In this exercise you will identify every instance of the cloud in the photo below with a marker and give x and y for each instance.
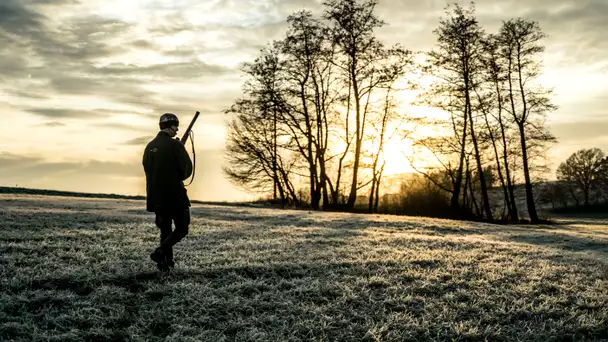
(94, 167)
(39, 60)
(165, 71)
(50, 2)
(578, 131)
(574, 28)
(12, 66)
(171, 24)
(144, 44)
(139, 141)
(17, 24)
(18, 19)
(26, 94)
(10, 160)
(48, 62)
(121, 126)
(55, 61)
(59, 55)
(67, 112)
(53, 124)
(80, 40)
(25, 167)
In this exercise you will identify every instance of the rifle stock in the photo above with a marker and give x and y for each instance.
(187, 132)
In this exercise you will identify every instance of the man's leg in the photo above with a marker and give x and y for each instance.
(181, 218)
(163, 222)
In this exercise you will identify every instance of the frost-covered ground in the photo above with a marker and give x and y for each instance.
(77, 269)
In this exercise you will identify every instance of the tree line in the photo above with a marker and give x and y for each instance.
(582, 181)
(319, 106)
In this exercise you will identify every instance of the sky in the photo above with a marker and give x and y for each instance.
(83, 83)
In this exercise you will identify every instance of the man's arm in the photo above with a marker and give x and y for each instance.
(144, 161)
(184, 161)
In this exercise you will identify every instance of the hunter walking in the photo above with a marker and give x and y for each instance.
(167, 164)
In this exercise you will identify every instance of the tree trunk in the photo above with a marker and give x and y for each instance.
(314, 199)
(465, 203)
(324, 182)
(358, 136)
(371, 193)
(274, 153)
(469, 112)
(482, 178)
(505, 190)
(335, 192)
(289, 187)
(510, 186)
(529, 194)
(473, 200)
(521, 124)
(458, 183)
(378, 189)
(512, 214)
(576, 201)
(281, 191)
(513, 203)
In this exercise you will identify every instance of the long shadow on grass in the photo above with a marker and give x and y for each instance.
(85, 220)
(273, 219)
(221, 276)
(279, 290)
(351, 222)
(270, 231)
(227, 283)
(584, 221)
(529, 234)
(562, 241)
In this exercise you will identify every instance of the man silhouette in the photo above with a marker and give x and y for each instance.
(167, 164)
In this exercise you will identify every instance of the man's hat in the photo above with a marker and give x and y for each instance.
(169, 117)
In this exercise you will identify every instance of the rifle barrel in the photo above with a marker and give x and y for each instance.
(187, 132)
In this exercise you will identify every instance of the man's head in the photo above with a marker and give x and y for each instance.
(169, 124)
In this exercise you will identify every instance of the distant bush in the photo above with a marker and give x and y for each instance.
(566, 197)
(418, 196)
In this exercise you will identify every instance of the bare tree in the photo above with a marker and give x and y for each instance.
(585, 169)
(301, 50)
(259, 146)
(253, 164)
(495, 76)
(519, 40)
(352, 24)
(386, 121)
(457, 63)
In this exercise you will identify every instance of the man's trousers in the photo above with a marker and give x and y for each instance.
(168, 236)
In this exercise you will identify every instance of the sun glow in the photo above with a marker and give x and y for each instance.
(396, 156)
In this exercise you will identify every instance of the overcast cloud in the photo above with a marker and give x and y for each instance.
(93, 63)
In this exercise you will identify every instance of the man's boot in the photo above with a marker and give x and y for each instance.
(160, 258)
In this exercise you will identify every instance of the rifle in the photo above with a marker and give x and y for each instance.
(185, 138)
(187, 132)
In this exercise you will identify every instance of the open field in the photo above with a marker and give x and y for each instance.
(77, 269)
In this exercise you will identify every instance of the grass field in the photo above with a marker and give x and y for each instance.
(78, 269)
